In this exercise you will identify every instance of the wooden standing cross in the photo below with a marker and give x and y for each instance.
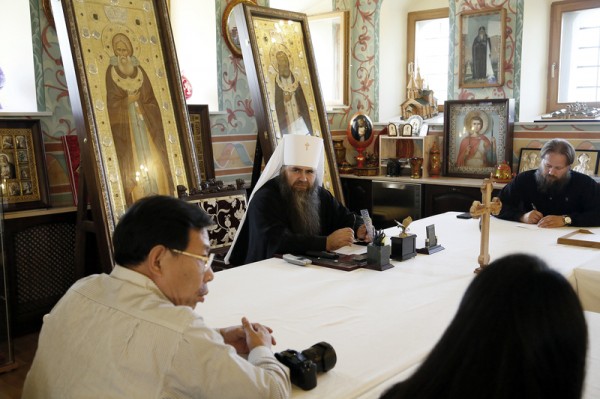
(483, 211)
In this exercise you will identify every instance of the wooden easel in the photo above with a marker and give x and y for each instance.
(483, 211)
(89, 222)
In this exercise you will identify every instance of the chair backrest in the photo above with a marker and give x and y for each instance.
(226, 208)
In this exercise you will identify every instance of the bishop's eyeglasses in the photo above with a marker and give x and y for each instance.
(207, 260)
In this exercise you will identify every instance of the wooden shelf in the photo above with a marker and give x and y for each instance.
(421, 147)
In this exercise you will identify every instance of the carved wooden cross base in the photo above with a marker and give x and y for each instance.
(483, 211)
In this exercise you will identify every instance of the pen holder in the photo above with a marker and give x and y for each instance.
(378, 257)
(404, 248)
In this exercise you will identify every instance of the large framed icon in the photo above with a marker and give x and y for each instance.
(281, 69)
(478, 135)
(127, 99)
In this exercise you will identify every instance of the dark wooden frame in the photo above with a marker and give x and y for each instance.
(524, 153)
(471, 21)
(259, 75)
(151, 17)
(28, 164)
(392, 129)
(200, 125)
(500, 118)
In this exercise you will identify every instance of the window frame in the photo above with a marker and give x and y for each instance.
(412, 19)
(556, 12)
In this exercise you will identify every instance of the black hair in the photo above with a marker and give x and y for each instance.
(155, 220)
(519, 332)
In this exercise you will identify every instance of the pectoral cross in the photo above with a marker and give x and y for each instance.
(483, 211)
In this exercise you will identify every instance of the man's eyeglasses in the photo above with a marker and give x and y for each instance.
(208, 260)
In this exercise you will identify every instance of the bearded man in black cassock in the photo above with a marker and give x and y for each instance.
(290, 212)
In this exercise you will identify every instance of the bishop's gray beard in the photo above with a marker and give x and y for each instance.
(303, 208)
(547, 184)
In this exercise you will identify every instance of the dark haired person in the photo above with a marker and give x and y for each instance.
(552, 195)
(290, 211)
(519, 332)
(135, 334)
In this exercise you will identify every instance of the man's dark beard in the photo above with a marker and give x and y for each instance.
(303, 208)
(549, 185)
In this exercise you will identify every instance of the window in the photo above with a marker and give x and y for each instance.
(194, 28)
(427, 48)
(574, 64)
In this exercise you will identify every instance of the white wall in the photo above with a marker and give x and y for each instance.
(534, 60)
(392, 52)
(194, 29)
(18, 93)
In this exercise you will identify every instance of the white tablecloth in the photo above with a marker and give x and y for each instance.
(381, 324)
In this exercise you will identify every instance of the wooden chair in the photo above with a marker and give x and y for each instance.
(226, 209)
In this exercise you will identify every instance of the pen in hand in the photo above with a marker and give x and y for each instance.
(533, 206)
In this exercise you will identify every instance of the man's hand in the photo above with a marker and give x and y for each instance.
(236, 337)
(363, 234)
(532, 217)
(551, 221)
(257, 335)
(340, 238)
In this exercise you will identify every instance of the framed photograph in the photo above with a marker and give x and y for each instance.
(281, 69)
(415, 122)
(392, 130)
(478, 135)
(529, 159)
(127, 100)
(23, 179)
(482, 38)
(200, 124)
(407, 130)
(586, 162)
(229, 29)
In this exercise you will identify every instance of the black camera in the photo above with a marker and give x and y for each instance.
(304, 366)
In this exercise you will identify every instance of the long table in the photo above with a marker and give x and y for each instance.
(382, 324)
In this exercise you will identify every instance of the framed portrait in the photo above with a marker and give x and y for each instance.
(229, 29)
(200, 125)
(22, 165)
(360, 131)
(586, 162)
(406, 130)
(392, 130)
(529, 159)
(478, 135)
(128, 103)
(415, 122)
(482, 38)
(281, 69)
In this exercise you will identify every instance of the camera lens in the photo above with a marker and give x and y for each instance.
(323, 355)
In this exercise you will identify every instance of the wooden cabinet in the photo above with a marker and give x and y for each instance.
(40, 258)
(436, 195)
(358, 194)
(404, 147)
(441, 198)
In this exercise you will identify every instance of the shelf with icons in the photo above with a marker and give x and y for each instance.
(404, 147)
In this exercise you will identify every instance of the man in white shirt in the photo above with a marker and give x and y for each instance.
(135, 333)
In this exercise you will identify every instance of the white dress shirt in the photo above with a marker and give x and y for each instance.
(118, 336)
